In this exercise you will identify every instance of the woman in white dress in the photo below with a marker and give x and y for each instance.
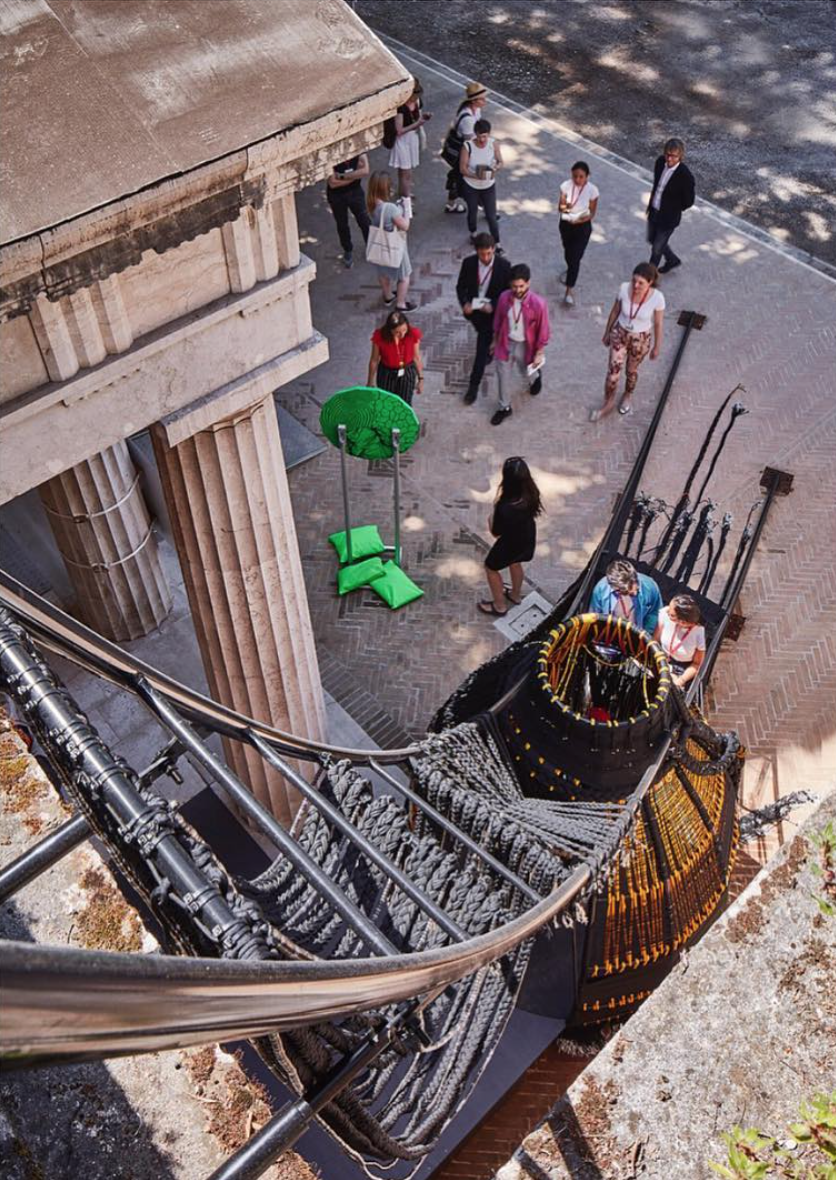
(407, 148)
(635, 317)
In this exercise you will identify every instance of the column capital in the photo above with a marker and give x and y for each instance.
(237, 399)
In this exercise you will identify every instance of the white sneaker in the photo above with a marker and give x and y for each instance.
(569, 300)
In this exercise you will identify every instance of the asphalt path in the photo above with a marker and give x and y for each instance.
(750, 85)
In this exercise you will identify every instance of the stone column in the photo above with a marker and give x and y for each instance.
(232, 520)
(103, 531)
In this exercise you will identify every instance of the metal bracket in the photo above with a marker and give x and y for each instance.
(779, 481)
(692, 319)
(734, 626)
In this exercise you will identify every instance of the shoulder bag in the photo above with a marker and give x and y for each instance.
(385, 247)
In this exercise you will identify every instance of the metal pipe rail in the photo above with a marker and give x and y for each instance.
(67, 637)
(66, 1004)
(265, 822)
(371, 851)
(43, 855)
(63, 1003)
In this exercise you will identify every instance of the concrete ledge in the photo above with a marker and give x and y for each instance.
(741, 1032)
(162, 373)
(239, 396)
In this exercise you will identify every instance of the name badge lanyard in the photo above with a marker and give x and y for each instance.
(635, 312)
(626, 612)
(570, 205)
(677, 641)
(401, 366)
(485, 278)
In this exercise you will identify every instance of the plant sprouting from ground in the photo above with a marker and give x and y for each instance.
(808, 1152)
(825, 868)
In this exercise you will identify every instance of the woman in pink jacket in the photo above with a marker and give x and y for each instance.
(520, 336)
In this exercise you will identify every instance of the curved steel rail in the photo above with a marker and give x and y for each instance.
(67, 637)
(62, 1002)
(68, 1003)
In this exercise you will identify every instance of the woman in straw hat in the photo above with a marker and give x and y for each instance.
(461, 130)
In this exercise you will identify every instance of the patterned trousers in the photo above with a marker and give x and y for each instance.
(629, 347)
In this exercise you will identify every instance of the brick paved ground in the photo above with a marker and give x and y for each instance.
(771, 327)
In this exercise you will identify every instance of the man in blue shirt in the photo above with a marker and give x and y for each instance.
(629, 595)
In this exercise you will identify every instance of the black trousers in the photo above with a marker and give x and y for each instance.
(341, 200)
(455, 184)
(659, 238)
(482, 323)
(486, 197)
(575, 239)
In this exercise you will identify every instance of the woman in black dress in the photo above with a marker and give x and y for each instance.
(513, 523)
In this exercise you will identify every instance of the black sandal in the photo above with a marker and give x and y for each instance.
(488, 608)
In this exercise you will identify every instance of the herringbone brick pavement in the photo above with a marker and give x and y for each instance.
(771, 326)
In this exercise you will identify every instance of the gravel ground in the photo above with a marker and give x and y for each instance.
(750, 85)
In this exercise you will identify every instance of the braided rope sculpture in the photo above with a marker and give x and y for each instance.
(542, 792)
(593, 706)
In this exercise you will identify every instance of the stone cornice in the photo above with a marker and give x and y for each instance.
(105, 241)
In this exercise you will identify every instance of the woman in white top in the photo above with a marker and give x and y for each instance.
(637, 314)
(681, 637)
(578, 205)
(479, 162)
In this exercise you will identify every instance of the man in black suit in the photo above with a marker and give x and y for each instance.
(673, 192)
(482, 279)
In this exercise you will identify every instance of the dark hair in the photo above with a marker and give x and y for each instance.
(621, 575)
(393, 320)
(520, 271)
(685, 608)
(582, 164)
(481, 125)
(646, 270)
(518, 484)
(674, 145)
(483, 241)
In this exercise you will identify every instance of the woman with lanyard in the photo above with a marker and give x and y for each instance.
(637, 313)
(681, 637)
(578, 205)
(396, 364)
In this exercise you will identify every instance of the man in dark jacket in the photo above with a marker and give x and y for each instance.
(673, 192)
(482, 279)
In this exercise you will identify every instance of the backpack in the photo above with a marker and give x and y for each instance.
(390, 133)
(454, 141)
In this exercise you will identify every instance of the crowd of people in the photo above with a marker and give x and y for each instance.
(511, 322)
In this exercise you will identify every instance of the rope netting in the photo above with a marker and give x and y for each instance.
(401, 1105)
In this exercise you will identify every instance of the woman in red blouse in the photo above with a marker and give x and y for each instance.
(396, 364)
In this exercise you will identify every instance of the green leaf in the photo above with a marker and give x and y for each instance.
(721, 1170)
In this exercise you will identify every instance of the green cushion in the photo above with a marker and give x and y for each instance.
(365, 542)
(395, 588)
(352, 577)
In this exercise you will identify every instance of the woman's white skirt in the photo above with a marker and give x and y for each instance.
(406, 152)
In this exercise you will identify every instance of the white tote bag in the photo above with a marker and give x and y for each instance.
(385, 247)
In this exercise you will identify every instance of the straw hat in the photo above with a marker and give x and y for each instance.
(475, 90)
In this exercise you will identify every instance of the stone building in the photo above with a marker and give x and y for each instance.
(151, 277)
